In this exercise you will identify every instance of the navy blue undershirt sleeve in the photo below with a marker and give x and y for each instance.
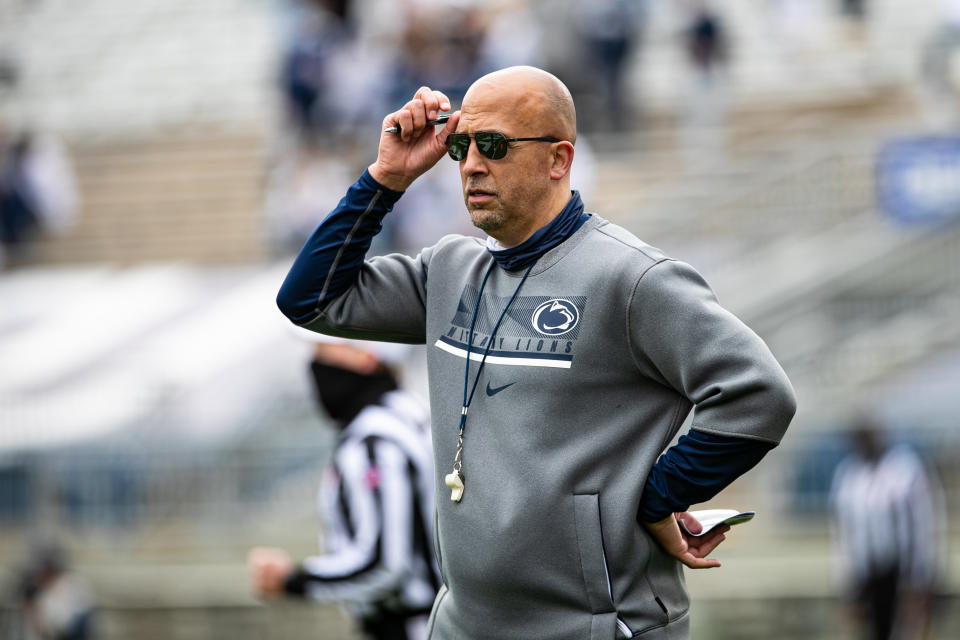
(331, 259)
(696, 469)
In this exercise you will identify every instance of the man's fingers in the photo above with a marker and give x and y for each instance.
(404, 120)
(707, 546)
(710, 535)
(433, 102)
(442, 100)
(426, 104)
(419, 111)
(699, 563)
(429, 101)
(408, 120)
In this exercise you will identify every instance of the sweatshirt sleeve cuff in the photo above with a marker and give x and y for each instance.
(389, 196)
(654, 510)
(696, 469)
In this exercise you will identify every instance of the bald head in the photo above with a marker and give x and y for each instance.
(536, 100)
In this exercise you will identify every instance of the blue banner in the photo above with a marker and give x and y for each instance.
(918, 179)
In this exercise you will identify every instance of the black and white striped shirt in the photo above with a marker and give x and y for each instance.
(377, 498)
(887, 515)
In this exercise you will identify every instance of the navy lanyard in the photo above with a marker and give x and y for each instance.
(455, 479)
(467, 399)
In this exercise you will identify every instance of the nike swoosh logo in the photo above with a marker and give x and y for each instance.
(494, 391)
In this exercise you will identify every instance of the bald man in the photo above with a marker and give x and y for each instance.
(563, 355)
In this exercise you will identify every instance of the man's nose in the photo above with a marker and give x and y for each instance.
(474, 163)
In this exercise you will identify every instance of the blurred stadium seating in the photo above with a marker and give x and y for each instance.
(155, 414)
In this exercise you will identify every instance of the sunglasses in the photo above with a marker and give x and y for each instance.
(490, 144)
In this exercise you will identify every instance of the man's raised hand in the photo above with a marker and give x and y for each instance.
(403, 157)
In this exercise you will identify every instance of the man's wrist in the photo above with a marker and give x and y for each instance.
(659, 524)
(389, 180)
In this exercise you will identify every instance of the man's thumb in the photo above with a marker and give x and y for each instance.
(691, 524)
(449, 127)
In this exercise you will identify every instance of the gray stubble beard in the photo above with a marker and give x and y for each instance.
(487, 220)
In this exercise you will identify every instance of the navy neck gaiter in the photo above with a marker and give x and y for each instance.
(547, 237)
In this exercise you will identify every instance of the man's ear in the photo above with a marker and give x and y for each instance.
(562, 160)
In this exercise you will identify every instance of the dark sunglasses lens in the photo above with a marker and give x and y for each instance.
(491, 144)
(457, 145)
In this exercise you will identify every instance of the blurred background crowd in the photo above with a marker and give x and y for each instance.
(161, 162)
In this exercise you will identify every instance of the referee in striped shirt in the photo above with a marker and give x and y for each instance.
(377, 497)
(887, 531)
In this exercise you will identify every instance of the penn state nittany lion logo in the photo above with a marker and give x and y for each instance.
(536, 331)
(555, 317)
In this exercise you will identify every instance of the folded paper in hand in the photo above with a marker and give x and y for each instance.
(710, 518)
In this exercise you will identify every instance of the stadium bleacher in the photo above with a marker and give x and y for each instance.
(118, 335)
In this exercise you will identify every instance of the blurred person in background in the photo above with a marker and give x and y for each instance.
(19, 218)
(706, 45)
(327, 101)
(56, 603)
(327, 105)
(563, 519)
(377, 498)
(303, 67)
(706, 42)
(609, 32)
(854, 9)
(38, 192)
(888, 515)
(855, 14)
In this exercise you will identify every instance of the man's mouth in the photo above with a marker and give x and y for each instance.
(479, 196)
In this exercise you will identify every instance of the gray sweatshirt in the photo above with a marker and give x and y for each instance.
(599, 359)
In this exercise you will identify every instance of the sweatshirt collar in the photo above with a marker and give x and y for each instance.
(564, 225)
